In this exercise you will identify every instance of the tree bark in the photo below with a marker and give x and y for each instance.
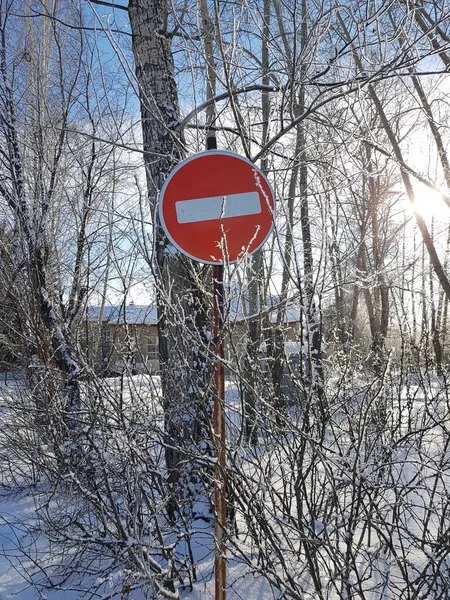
(181, 312)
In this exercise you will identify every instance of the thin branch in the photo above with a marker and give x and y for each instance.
(47, 15)
(229, 93)
(109, 4)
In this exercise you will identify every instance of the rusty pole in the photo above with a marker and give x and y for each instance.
(220, 498)
(220, 565)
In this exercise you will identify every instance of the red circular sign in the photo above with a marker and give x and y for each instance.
(217, 206)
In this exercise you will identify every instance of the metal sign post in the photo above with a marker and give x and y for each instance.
(220, 489)
(220, 492)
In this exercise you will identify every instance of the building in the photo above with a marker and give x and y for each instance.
(126, 336)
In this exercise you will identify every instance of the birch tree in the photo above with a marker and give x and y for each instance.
(180, 288)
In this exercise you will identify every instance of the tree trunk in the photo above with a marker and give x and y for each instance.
(315, 369)
(255, 272)
(181, 313)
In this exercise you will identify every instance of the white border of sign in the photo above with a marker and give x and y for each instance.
(179, 166)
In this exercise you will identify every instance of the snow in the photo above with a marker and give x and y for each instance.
(237, 309)
(21, 547)
(170, 250)
(395, 473)
(132, 314)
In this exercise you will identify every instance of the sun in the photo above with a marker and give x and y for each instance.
(429, 203)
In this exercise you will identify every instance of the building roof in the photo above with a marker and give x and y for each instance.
(132, 314)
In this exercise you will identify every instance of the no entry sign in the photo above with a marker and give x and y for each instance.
(217, 206)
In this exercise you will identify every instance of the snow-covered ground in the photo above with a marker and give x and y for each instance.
(362, 491)
(27, 561)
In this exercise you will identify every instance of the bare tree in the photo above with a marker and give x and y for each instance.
(182, 305)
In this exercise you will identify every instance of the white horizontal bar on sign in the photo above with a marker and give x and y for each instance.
(218, 207)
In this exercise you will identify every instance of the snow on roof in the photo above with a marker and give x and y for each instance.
(132, 314)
